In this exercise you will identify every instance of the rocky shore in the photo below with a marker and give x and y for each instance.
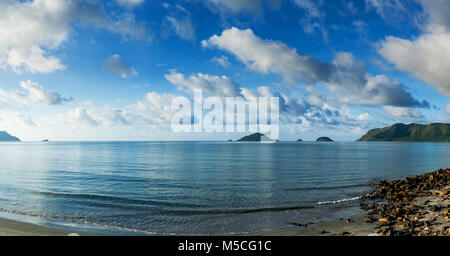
(415, 206)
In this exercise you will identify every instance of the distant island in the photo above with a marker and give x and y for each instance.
(324, 139)
(438, 132)
(256, 137)
(44, 141)
(4, 136)
(299, 140)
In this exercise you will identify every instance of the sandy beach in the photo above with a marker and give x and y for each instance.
(15, 228)
(356, 227)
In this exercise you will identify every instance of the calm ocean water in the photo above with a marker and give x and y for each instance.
(198, 187)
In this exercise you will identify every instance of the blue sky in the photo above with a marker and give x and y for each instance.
(108, 70)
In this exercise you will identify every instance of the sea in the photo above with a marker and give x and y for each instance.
(198, 188)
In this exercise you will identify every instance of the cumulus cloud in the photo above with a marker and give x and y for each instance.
(17, 118)
(310, 112)
(345, 76)
(221, 86)
(106, 116)
(222, 61)
(354, 86)
(405, 114)
(130, 3)
(115, 64)
(155, 109)
(268, 56)
(427, 57)
(36, 94)
(81, 115)
(31, 30)
(436, 12)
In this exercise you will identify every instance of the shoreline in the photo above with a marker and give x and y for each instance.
(10, 227)
(414, 206)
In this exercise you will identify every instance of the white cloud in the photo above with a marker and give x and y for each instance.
(16, 118)
(427, 57)
(311, 7)
(221, 86)
(115, 64)
(26, 28)
(81, 115)
(182, 27)
(311, 112)
(312, 17)
(345, 76)
(155, 109)
(386, 8)
(31, 30)
(130, 3)
(436, 11)
(267, 56)
(105, 116)
(222, 61)
(406, 114)
(36, 94)
(351, 83)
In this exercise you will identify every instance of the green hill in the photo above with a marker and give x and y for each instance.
(437, 132)
(4, 136)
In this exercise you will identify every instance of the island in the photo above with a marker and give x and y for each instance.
(437, 132)
(299, 140)
(256, 137)
(44, 141)
(324, 139)
(4, 136)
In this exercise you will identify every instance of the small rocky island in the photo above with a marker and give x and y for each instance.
(438, 132)
(4, 136)
(299, 140)
(256, 137)
(324, 139)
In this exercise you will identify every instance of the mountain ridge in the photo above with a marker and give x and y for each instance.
(436, 132)
(4, 136)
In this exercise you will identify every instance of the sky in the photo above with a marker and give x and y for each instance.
(108, 70)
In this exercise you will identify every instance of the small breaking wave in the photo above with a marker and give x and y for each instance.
(340, 200)
(78, 220)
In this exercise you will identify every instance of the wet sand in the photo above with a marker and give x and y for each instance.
(356, 227)
(15, 228)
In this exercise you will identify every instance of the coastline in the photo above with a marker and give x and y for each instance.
(414, 206)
